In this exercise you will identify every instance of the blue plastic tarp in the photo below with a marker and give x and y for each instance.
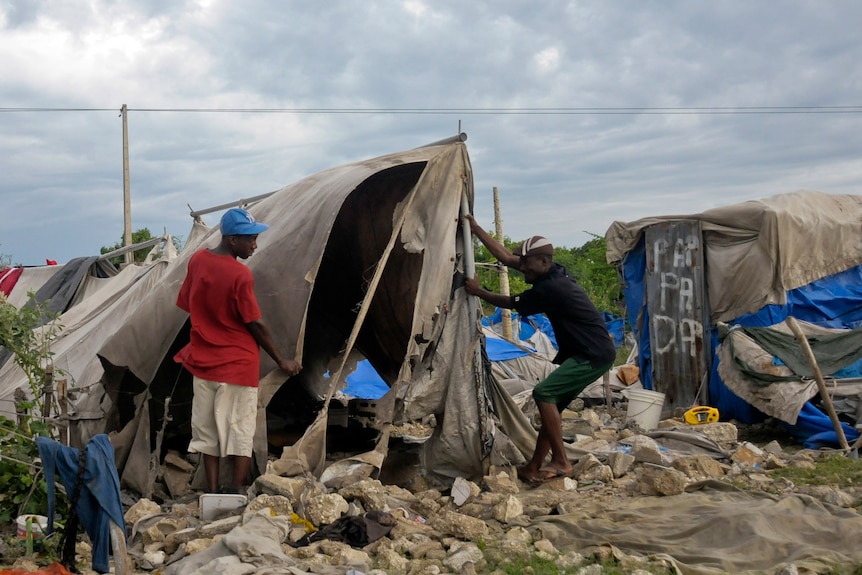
(365, 382)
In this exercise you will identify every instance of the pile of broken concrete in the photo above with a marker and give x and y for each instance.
(297, 525)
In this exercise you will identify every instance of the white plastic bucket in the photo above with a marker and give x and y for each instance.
(38, 525)
(645, 407)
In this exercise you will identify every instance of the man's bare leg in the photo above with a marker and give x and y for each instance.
(530, 472)
(211, 465)
(552, 423)
(241, 469)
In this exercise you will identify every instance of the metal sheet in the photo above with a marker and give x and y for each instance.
(678, 311)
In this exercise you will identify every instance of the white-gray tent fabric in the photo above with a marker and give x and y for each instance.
(98, 307)
(31, 279)
(758, 250)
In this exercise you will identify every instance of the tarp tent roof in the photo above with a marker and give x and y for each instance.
(760, 249)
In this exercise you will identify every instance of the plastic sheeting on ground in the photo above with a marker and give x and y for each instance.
(714, 529)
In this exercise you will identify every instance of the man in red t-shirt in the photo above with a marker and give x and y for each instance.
(223, 354)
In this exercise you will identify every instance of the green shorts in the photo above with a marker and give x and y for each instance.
(567, 381)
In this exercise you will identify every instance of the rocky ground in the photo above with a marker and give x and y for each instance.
(297, 525)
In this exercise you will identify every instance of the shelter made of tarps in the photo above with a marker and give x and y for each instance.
(759, 250)
(796, 254)
(366, 257)
(91, 299)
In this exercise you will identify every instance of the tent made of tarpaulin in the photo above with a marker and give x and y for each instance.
(793, 254)
(92, 299)
(373, 246)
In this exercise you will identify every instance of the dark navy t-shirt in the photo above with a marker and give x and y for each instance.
(579, 327)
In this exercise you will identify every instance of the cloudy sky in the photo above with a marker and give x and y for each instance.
(580, 112)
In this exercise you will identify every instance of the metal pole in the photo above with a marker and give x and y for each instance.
(469, 258)
(503, 270)
(127, 196)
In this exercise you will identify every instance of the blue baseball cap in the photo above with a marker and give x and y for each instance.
(237, 222)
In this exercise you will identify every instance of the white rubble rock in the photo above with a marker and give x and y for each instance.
(508, 509)
(325, 509)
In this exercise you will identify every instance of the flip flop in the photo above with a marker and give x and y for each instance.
(548, 474)
(545, 474)
(525, 479)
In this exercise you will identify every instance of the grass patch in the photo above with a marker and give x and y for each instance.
(535, 565)
(623, 353)
(831, 469)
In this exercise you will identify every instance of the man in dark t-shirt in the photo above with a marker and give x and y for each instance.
(586, 350)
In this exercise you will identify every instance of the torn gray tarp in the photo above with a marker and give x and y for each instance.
(751, 372)
(834, 349)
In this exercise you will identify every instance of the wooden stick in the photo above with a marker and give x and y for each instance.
(63, 404)
(118, 549)
(606, 379)
(818, 376)
(48, 391)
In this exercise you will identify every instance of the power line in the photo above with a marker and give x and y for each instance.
(561, 111)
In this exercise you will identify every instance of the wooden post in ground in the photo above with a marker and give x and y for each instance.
(503, 270)
(606, 380)
(127, 195)
(63, 405)
(118, 550)
(21, 412)
(48, 392)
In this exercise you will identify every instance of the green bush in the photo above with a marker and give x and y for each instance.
(26, 333)
(24, 489)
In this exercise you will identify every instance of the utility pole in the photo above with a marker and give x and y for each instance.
(127, 195)
(503, 270)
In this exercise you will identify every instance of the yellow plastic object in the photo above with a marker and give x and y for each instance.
(701, 414)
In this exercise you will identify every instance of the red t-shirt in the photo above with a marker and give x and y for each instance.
(218, 293)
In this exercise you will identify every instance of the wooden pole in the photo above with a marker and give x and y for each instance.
(21, 412)
(48, 392)
(63, 404)
(503, 270)
(118, 549)
(606, 382)
(127, 195)
(818, 376)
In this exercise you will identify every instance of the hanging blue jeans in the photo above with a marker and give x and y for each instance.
(99, 501)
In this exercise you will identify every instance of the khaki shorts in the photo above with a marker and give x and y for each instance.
(224, 418)
(567, 382)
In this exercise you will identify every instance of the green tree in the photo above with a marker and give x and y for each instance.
(587, 265)
(139, 256)
(600, 280)
(139, 236)
(488, 268)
